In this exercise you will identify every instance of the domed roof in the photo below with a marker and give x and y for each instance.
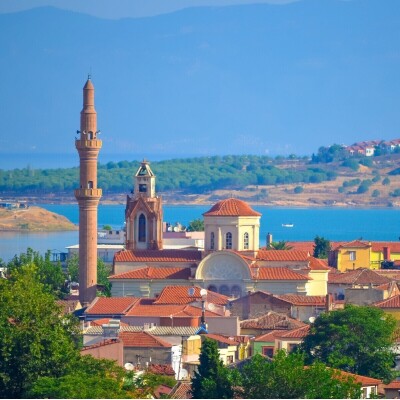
(231, 208)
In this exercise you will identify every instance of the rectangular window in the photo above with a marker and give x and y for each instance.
(268, 351)
(352, 255)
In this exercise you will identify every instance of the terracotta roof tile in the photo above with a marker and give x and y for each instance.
(166, 255)
(180, 295)
(282, 255)
(111, 305)
(277, 274)
(392, 385)
(358, 244)
(315, 264)
(103, 321)
(155, 273)
(166, 310)
(272, 320)
(161, 369)
(142, 339)
(393, 274)
(182, 390)
(222, 339)
(364, 380)
(105, 342)
(296, 333)
(300, 300)
(268, 337)
(392, 302)
(231, 207)
(358, 277)
(393, 246)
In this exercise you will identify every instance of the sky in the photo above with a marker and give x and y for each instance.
(193, 78)
(116, 9)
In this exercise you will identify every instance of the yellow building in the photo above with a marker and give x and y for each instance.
(352, 255)
(363, 254)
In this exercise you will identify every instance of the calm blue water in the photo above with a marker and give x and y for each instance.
(331, 223)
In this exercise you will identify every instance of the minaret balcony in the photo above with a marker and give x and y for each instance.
(88, 193)
(88, 144)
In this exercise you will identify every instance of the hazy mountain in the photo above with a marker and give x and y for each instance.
(259, 79)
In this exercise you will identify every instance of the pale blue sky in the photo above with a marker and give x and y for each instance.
(124, 8)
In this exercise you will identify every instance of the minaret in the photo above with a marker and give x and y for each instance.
(88, 196)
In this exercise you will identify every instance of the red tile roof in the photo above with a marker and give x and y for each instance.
(393, 246)
(222, 339)
(166, 255)
(364, 380)
(102, 321)
(358, 277)
(166, 310)
(268, 337)
(180, 295)
(277, 274)
(271, 320)
(392, 385)
(299, 300)
(155, 273)
(392, 302)
(142, 339)
(315, 264)
(105, 342)
(282, 255)
(161, 369)
(231, 207)
(296, 333)
(111, 305)
(393, 274)
(358, 244)
(182, 390)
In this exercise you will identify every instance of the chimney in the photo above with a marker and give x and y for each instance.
(328, 302)
(269, 238)
(386, 253)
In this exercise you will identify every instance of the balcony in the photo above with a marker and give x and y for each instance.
(88, 193)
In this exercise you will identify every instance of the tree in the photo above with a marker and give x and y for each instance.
(281, 245)
(212, 380)
(356, 339)
(286, 377)
(36, 340)
(322, 247)
(386, 181)
(48, 273)
(298, 189)
(197, 225)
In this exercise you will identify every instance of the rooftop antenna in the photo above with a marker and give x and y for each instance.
(90, 73)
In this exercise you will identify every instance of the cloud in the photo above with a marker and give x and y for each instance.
(117, 9)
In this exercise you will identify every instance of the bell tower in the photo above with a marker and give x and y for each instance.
(143, 213)
(88, 196)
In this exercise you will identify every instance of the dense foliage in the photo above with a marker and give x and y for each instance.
(322, 247)
(212, 380)
(39, 349)
(285, 377)
(356, 339)
(194, 175)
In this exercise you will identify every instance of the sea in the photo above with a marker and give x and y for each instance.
(335, 224)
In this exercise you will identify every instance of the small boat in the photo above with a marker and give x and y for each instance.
(288, 225)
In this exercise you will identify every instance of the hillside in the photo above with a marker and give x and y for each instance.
(33, 219)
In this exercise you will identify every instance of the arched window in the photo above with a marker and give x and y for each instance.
(224, 290)
(228, 240)
(142, 228)
(236, 291)
(245, 241)
(212, 241)
(212, 288)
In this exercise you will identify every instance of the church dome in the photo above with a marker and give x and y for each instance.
(231, 208)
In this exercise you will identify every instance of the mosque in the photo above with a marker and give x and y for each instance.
(231, 263)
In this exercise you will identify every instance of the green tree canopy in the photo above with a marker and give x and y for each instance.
(356, 339)
(36, 340)
(286, 377)
(212, 380)
(281, 245)
(322, 247)
(197, 225)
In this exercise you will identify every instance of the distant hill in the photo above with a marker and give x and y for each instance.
(292, 181)
(33, 219)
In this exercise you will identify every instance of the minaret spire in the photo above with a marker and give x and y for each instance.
(88, 196)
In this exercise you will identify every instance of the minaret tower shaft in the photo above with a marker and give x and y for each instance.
(88, 196)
